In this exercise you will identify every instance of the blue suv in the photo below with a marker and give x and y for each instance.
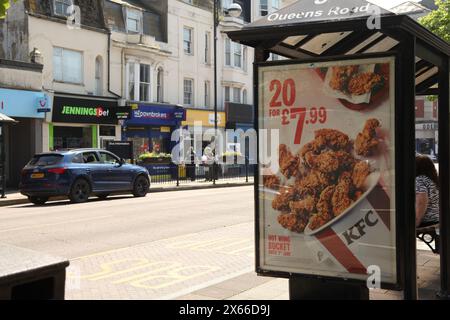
(80, 173)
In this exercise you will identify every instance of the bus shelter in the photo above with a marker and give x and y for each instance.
(338, 214)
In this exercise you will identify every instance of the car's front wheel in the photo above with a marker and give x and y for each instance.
(80, 191)
(38, 200)
(141, 186)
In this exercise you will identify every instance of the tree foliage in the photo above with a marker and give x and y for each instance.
(4, 5)
(438, 21)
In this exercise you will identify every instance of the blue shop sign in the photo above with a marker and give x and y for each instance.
(24, 104)
(156, 115)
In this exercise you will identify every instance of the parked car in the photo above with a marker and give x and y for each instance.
(80, 173)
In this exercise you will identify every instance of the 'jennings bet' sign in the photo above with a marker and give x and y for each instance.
(77, 110)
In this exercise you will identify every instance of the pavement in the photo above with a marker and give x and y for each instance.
(13, 197)
(175, 245)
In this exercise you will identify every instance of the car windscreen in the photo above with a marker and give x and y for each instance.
(45, 160)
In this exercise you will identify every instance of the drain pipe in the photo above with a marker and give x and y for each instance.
(109, 66)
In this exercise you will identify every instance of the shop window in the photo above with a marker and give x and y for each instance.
(67, 65)
(72, 137)
(108, 131)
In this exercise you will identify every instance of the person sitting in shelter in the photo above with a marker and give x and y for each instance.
(427, 192)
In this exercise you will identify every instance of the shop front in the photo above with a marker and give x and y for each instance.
(24, 138)
(204, 119)
(150, 129)
(82, 122)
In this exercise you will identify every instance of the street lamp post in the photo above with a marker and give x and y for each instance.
(234, 10)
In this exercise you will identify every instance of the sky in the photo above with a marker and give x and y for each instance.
(389, 3)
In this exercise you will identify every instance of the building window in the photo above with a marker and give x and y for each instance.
(187, 40)
(237, 55)
(67, 65)
(144, 82)
(244, 96)
(61, 7)
(160, 85)
(207, 94)
(263, 7)
(133, 21)
(131, 81)
(98, 76)
(275, 5)
(227, 94)
(233, 54)
(237, 95)
(188, 92)
(207, 50)
(227, 52)
(244, 58)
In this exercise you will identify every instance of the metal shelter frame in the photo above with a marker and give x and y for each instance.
(422, 68)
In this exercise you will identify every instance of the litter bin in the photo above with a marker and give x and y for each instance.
(29, 275)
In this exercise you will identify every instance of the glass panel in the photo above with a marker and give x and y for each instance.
(236, 95)
(72, 66)
(57, 64)
(227, 52)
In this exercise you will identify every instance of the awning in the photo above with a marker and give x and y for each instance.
(5, 118)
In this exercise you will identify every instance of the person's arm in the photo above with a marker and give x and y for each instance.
(421, 206)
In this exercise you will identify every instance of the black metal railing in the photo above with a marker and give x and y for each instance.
(185, 174)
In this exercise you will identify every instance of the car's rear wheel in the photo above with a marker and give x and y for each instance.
(103, 196)
(141, 186)
(80, 191)
(38, 200)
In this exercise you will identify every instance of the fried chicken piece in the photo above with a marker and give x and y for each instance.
(330, 161)
(333, 139)
(366, 142)
(312, 184)
(363, 83)
(360, 173)
(341, 197)
(326, 162)
(271, 182)
(317, 220)
(324, 209)
(304, 206)
(341, 76)
(293, 222)
(324, 206)
(282, 200)
(357, 194)
(288, 162)
(314, 146)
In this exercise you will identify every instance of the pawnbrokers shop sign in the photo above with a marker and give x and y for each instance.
(79, 110)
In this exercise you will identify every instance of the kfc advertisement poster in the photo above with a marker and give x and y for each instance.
(329, 208)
